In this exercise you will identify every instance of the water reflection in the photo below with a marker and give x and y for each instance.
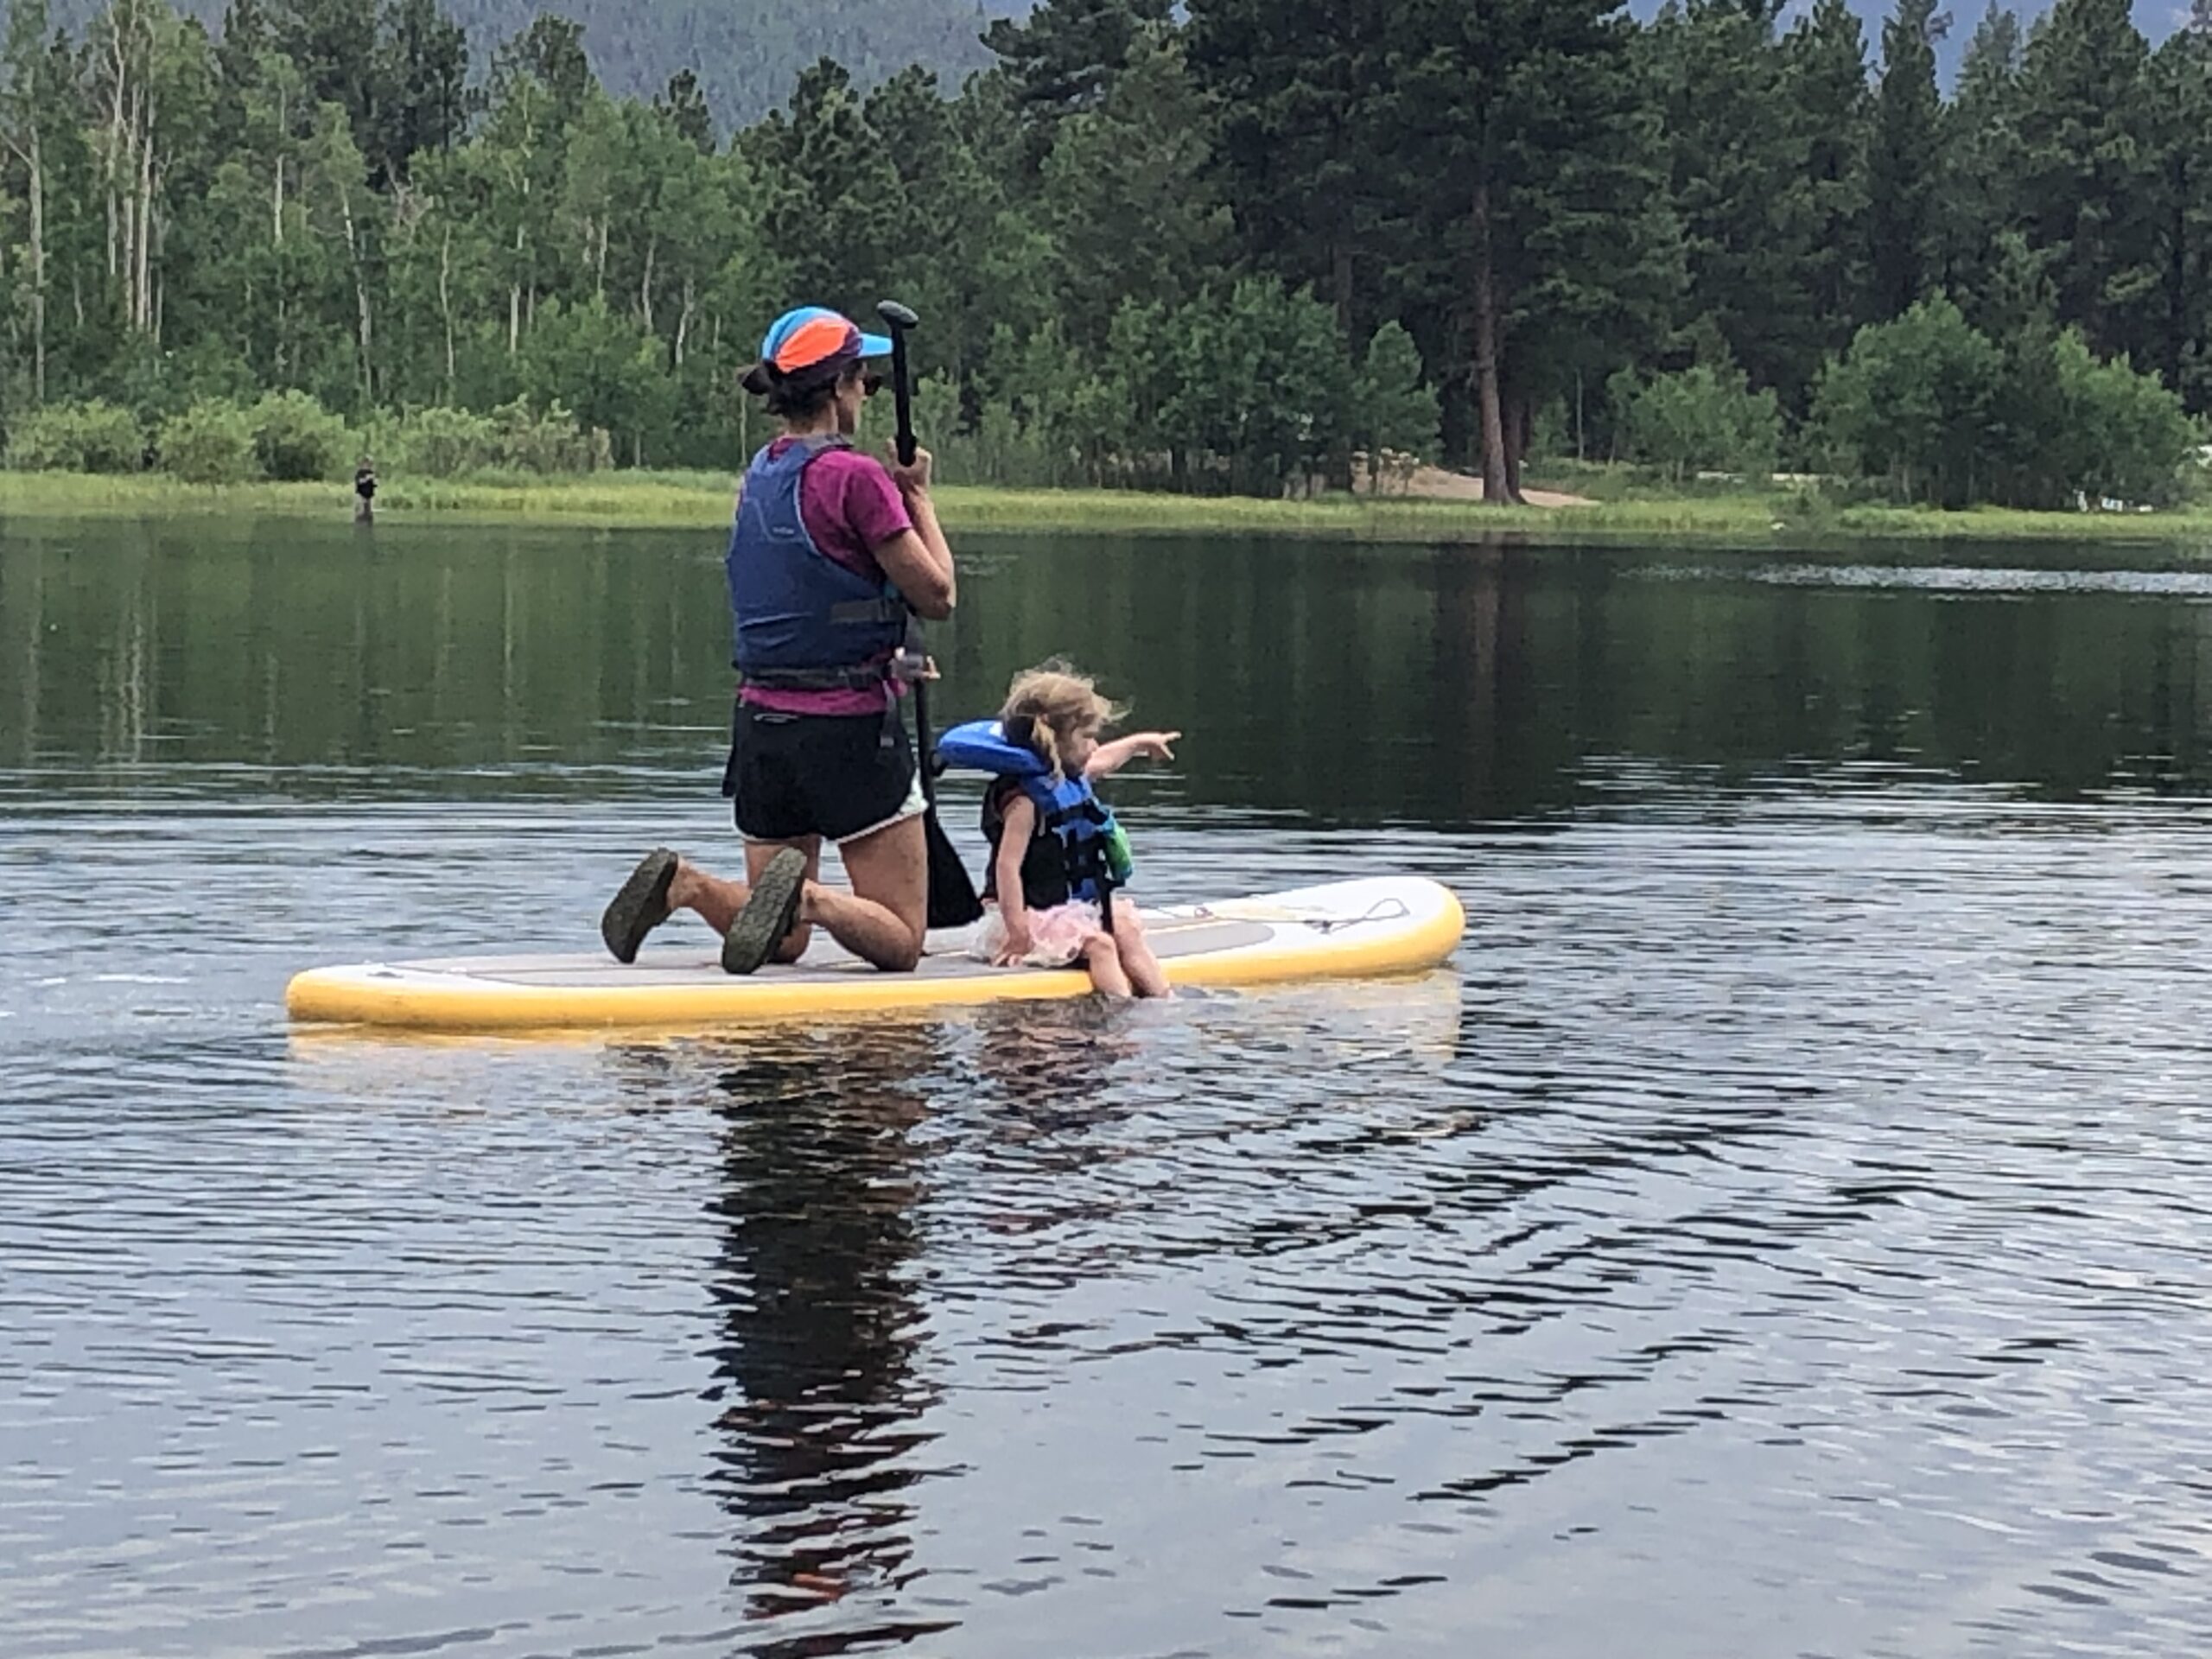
(1367, 686)
(820, 1376)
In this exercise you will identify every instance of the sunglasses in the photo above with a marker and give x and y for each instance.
(871, 383)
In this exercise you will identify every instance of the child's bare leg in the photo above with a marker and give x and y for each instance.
(1145, 974)
(1103, 957)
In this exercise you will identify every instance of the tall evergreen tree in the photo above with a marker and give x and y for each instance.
(1981, 159)
(334, 44)
(1061, 58)
(831, 189)
(2084, 171)
(685, 104)
(424, 100)
(1828, 77)
(1298, 85)
(1500, 100)
(1127, 197)
(1737, 154)
(2179, 82)
(1905, 169)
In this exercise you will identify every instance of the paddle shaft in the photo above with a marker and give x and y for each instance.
(952, 900)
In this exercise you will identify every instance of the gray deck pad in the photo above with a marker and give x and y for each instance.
(824, 962)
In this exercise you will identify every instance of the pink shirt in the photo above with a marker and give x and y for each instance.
(851, 508)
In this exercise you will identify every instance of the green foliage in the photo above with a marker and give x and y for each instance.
(1949, 416)
(87, 437)
(209, 443)
(549, 442)
(1912, 401)
(1701, 418)
(436, 443)
(1906, 165)
(1394, 408)
(1222, 246)
(296, 439)
(2121, 433)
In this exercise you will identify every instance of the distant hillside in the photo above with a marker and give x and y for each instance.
(747, 53)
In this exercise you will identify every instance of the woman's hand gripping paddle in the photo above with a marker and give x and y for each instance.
(952, 894)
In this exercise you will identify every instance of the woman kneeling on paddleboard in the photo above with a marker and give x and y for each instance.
(831, 553)
(1056, 854)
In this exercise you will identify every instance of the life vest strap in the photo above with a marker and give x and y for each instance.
(885, 609)
(862, 677)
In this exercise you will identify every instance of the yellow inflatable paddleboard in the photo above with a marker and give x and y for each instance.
(1385, 924)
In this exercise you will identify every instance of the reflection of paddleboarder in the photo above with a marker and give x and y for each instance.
(365, 492)
(818, 1366)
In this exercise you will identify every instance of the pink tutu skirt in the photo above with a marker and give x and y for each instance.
(1057, 935)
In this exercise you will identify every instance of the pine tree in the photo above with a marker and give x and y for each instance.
(1981, 159)
(685, 104)
(1738, 154)
(2180, 83)
(422, 96)
(1125, 198)
(1521, 108)
(831, 189)
(1061, 59)
(2084, 175)
(1828, 77)
(1297, 83)
(1904, 171)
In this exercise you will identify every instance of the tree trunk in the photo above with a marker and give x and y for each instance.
(514, 299)
(645, 286)
(360, 293)
(1517, 443)
(445, 305)
(118, 101)
(683, 320)
(35, 159)
(145, 283)
(1496, 486)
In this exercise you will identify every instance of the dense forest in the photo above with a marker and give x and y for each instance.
(1231, 244)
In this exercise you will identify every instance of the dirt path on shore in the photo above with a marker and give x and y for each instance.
(1434, 484)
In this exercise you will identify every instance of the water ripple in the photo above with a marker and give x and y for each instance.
(1789, 1227)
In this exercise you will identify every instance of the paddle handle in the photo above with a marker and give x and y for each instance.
(899, 319)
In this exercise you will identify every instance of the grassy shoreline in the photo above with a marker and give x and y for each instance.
(703, 500)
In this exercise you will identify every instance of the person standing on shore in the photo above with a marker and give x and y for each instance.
(832, 554)
(365, 492)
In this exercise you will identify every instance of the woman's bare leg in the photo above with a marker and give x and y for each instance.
(885, 918)
(882, 920)
(716, 900)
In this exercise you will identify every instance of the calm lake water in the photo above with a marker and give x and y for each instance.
(1787, 1231)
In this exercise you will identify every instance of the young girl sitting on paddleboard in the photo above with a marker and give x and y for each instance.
(1056, 850)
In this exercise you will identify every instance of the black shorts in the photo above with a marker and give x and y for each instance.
(792, 776)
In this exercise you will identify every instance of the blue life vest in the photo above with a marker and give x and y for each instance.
(800, 620)
(1078, 851)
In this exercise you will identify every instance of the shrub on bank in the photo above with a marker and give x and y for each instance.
(295, 439)
(436, 443)
(88, 437)
(1700, 419)
(210, 442)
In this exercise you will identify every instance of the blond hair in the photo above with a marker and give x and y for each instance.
(1049, 705)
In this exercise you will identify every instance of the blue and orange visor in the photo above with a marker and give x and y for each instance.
(814, 338)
